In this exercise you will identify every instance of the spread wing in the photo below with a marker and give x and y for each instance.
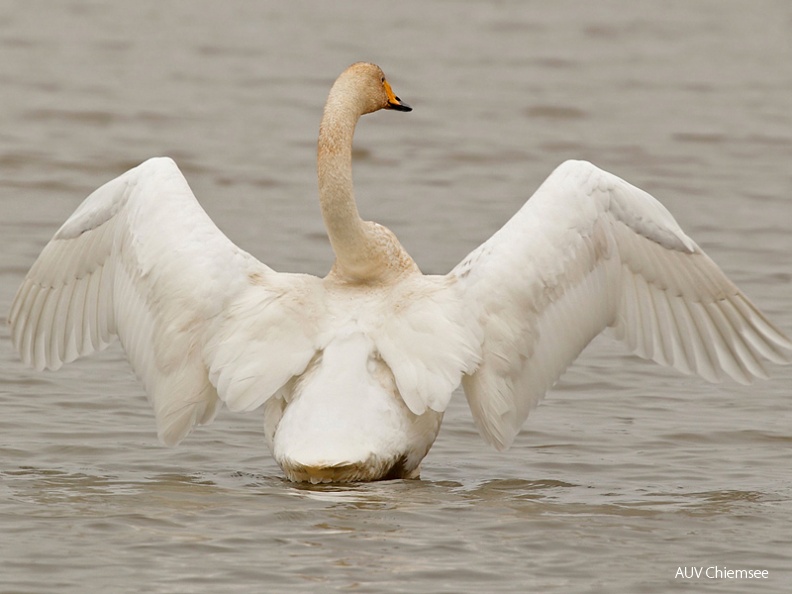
(589, 251)
(141, 260)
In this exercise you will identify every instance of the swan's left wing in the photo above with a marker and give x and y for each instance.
(590, 251)
(200, 319)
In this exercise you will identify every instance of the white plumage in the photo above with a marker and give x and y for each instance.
(356, 369)
(588, 252)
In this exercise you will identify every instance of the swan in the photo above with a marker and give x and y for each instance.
(354, 370)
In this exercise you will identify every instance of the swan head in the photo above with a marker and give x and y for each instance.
(365, 83)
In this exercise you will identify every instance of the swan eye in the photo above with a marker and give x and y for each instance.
(383, 79)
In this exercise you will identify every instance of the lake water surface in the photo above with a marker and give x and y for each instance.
(626, 473)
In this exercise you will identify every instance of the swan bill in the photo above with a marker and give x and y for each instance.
(400, 106)
(394, 102)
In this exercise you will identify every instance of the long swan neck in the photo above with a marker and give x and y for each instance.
(364, 250)
(334, 164)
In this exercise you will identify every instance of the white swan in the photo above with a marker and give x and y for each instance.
(355, 370)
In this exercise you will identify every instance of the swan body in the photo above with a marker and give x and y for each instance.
(354, 370)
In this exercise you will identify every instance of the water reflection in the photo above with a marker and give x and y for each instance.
(195, 492)
(541, 496)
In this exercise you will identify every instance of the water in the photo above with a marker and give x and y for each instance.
(624, 474)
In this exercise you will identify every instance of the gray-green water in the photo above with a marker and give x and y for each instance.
(626, 472)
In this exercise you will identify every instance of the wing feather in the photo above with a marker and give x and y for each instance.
(588, 252)
(140, 259)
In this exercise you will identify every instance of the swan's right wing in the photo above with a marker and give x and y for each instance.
(590, 251)
(142, 260)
